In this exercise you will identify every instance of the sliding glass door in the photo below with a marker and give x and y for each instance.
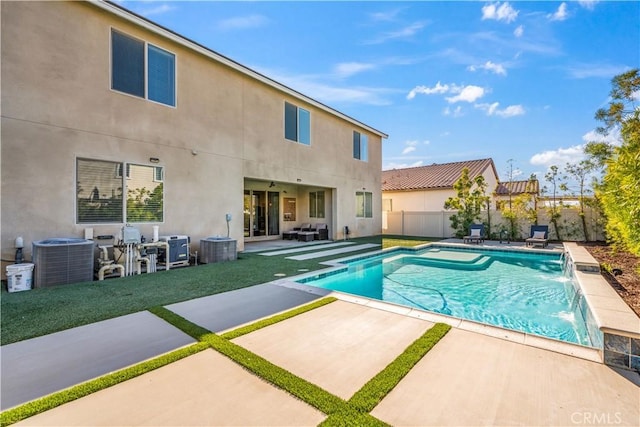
(261, 213)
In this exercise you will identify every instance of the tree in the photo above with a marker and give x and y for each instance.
(556, 180)
(580, 172)
(520, 207)
(619, 191)
(470, 199)
(510, 213)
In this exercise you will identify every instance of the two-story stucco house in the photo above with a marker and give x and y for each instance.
(109, 119)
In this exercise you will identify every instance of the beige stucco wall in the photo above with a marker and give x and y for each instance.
(432, 199)
(57, 106)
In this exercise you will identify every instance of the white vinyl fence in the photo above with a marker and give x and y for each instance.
(438, 224)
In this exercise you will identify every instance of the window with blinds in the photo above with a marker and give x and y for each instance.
(297, 124)
(360, 146)
(316, 204)
(151, 75)
(104, 195)
(364, 204)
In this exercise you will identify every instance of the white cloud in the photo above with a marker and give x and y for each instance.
(588, 4)
(490, 66)
(613, 137)
(395, 165)
(242, 22)
(558, 157)
(412, 145)
(490, 109)
(403, 33)
(518, 32)
(559, 15)
(583, 71)
(385, 16)
(499, 12)
(511, 111)
(468, 93)
(437, 89)
(493, 110)
(456, 112)
(347, 69)
(321, 87)
(156, 10)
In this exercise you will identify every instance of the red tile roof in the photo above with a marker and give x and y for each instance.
(435, 176)
(517, 187)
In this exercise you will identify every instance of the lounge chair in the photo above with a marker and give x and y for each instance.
(475, 234)
(539, 236)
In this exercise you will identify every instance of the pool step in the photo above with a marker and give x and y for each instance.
(480, 262)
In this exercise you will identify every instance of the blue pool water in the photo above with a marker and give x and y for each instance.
(520, 291)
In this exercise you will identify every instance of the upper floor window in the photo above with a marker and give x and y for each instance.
(364, 204)
(142, 69)
(297, 124)
(360, 150)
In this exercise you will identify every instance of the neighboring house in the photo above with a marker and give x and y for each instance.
(426, 188)
(511, 190)
(108, 119)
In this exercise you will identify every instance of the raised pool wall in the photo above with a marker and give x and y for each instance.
(618, 324)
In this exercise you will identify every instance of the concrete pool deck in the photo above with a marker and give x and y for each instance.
(473, 376)
(466, 379)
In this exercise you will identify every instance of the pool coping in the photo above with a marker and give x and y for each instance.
(618, 323)
(338, 265)
(575, 350)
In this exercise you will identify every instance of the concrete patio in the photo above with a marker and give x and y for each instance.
(466, 379)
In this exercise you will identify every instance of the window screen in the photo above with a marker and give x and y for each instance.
(290, 121)
(359, 146)
(99, 191)
(101, 188)
(127, 64)
(304, 127)
(364, 204)
(297, 124)
(161, 70)
(316, 204)
(153, 77)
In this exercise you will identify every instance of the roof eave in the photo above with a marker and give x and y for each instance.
(190, 44)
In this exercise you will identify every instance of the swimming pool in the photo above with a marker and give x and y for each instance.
(516, 290)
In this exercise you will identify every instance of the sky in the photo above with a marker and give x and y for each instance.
(448, 81)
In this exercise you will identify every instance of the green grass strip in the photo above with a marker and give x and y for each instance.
(365, 399)
(51, 401)
(277, 318)
(355, 412)
(180, 322)
(281, 378)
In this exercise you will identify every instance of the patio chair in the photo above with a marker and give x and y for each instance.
(539, 236)
(321, 231)
(476, 232)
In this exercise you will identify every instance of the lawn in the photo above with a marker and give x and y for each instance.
(47, 310)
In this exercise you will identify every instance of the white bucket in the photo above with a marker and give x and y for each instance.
(19, 277)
